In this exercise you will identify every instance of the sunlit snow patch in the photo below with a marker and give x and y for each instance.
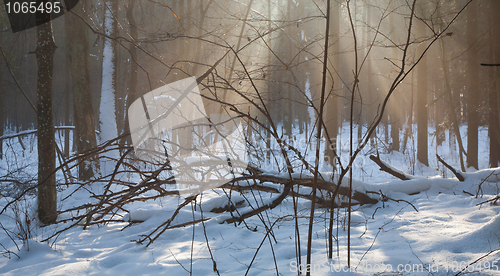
(169, 126)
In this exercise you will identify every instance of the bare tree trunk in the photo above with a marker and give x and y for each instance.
(473, 89)
(67, 106)
(269, 86)
(439, 116)
(409, 122)
(107, 115)
(45, 50)
(454, 119)
(494, 97)
(2, 99)
(77, 47)
(132, 93)
(421, 103)
(318, 135)
(395, 130)
(332, 103)
(2, 110)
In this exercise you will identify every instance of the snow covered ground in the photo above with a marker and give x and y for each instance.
(448, 233)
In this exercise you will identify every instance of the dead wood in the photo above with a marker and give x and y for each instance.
(455, 172)
(385, 168)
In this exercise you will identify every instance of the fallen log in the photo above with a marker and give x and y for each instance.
(307, 181)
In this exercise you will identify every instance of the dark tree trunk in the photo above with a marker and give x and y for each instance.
(47, 196)
(472, 91)
(494, 120)
(395, 126)
(421, 109)
(3, 92)
(67, 104)
(132, 93)
(2, 116)
(78, 54)
(494, 130)
(439, 114)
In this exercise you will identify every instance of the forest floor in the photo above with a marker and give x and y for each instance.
(446, 236)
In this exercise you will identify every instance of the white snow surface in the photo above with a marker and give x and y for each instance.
(450, 230)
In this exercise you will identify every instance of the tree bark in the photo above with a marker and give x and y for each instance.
(332, 103)
(494, 120)
(421, 103)
(45, 50)
(386, 168)
(455, 172)
(439, 114)
(77, 47)
(132, 93)
(2, 98)
(107, 114)
(472, 91)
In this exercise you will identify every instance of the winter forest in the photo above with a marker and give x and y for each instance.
(252, 137)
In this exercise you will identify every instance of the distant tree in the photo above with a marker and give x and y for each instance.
(421, 103)
(107, 115)
(77, 47)
(45, 50)
(332, 103)
(472, 87)
(133, 77)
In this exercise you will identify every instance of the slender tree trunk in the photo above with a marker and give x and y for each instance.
(318, 135)
(77, 47)
(107, 106)
(473, 89)
(2, 96)
(409, 121)
(421, 103)
(45, 50)
(269, 85)
(332, 104)
(394, 131)
(397, 113)
(439, 116)
(67, 108)
(132, 93)
(454, 118)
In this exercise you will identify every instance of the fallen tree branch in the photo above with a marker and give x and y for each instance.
(455, 172)
(385, 167)
(386, 198)
(166, 224)
(308, 182)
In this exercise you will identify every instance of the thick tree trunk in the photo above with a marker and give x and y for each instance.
(494, 97)
(77, 43)
(47, 196)
(493, 129)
